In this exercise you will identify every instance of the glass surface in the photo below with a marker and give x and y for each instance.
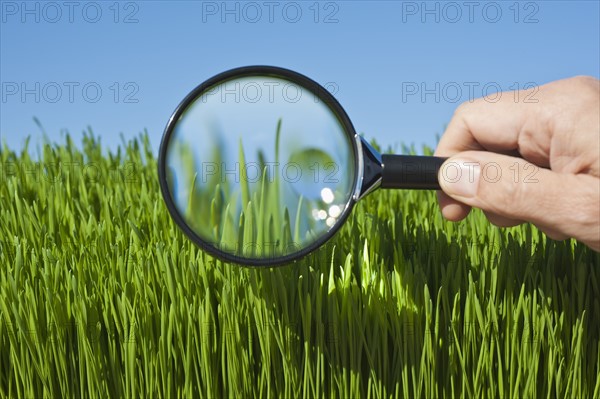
(259, 167)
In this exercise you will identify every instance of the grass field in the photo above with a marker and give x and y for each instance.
(101, 295)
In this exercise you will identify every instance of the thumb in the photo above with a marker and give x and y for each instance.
(516, 189)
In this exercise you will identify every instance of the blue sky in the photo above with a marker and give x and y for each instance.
(399, 68)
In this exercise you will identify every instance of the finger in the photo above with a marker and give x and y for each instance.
(483, 125)
(512, 188)
(553, 233)
(501, 221)
(502, 125)
(452, 209)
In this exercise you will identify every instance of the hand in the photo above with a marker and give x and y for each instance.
(536, 161)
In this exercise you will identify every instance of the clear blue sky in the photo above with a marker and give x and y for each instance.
(377, 56)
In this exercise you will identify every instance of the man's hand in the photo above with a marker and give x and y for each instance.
(535, 162)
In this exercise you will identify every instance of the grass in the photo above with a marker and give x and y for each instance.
(101, 295)
(265, 216)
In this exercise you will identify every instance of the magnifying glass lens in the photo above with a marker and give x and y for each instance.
(258, 169)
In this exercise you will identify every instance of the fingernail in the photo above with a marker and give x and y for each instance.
(460, 177)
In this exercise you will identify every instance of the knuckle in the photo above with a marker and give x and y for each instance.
(578, 86)
(585, 81)
(465, 108)
(586, 88)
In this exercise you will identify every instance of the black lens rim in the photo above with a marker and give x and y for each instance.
(248, 71)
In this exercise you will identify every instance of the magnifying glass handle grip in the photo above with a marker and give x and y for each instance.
(410, 171)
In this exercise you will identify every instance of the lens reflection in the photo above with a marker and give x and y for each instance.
(259, 167)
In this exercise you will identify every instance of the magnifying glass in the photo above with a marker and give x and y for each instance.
(261, 165)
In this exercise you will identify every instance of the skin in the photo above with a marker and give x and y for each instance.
(529, 156)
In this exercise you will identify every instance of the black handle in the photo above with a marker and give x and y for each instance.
(411, 171)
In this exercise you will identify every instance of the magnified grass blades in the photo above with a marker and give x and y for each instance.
(263, 230)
